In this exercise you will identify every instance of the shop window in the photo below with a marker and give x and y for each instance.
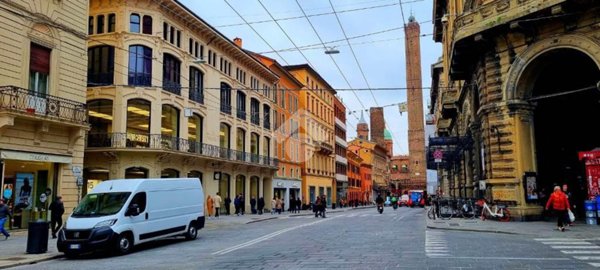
(136, 172)
(267, 147)
(138, 123)
(100, 113)
(169, 128)
(195, 133)
(224, 140)
(140, 65)
(101, 64)
(134, 23)
(241, 140)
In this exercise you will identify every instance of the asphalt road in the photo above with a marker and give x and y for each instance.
(358, 239)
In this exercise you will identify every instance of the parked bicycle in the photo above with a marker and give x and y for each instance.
(499, 211)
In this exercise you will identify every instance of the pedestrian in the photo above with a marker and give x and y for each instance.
(565, 190)
(282, 205)
(323, 205)
(242, 204)
(57, 210)
(253, 205)
(227, 205)
(316, 206)
(559, 202)
(278, 206)
(4, 215)
(236, 204)
(209, 206)
(261, 205)
(292, 207)
(298, 204)
(217, 201)
(273, 204)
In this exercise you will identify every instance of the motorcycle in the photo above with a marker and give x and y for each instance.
(380, 208)
(395, 205)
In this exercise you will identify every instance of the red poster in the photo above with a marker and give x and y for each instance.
(592, 172)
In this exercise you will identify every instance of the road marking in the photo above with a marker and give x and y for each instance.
(594, 264)
(558, 239)
(580, 251)
(266, 237)
(587, 258)
(508, 258)
(567, 243)
(435, 244)
(576, 247)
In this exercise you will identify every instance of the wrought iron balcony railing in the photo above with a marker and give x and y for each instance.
(241, 114)
(173, 87)
(196, 96)
(26, 102)
(226, 108)
(165, 142)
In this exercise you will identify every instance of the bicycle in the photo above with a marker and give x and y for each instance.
(431, 212)
(499, 211)
(467, 210)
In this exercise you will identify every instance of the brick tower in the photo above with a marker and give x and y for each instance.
(377, 126)
(362, 129)
(416, 128)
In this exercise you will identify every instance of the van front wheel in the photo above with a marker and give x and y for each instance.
(124, 244)
(192, 232)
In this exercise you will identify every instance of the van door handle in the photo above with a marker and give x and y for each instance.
(146, 215)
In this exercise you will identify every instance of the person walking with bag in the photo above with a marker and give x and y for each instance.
(57, 208)
(4, 215)
(560, 204)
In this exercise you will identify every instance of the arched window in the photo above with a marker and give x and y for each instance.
(101, 65)
(254, 149)
(134, 23)
(254, 187)
(196, 85)
(241, 105)
(138, 123)
(100, 112)
(241, 144)
(196, 174)
(140, 65)
(169, 173)
(225, 98)
(224, 140)
(224, 184)
(195, 133)
(171, 74)
(147, 25)
(169, 127)
(240, 186)
(267, 147)
(254, 111)
(136, 172)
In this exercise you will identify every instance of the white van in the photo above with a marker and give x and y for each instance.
(119, 214)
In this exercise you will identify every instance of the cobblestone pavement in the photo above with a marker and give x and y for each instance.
(361, 239)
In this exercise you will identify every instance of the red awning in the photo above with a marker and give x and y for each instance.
(594, 154)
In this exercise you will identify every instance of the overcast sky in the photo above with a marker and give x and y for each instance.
(381, 56)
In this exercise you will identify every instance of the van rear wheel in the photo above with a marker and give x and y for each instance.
(192, 232)
(124, 244)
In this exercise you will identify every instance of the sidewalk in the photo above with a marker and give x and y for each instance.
(533, 228)
(13, 251)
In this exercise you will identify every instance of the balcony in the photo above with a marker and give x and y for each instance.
(326, 148)
(173, 87)
(241, 114)
(196, 96)
(226, 108)
(159, 142)
(23, 103)
(449, 108)
(140, 79)
(485, 18)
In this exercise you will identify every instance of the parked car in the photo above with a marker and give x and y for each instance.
(404, 199)
(119, 214)
(416, 198)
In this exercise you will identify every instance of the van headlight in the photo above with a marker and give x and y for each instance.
(106, 223)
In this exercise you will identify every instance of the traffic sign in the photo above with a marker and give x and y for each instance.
(438, 155)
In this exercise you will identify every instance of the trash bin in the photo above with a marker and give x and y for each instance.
(37, 237)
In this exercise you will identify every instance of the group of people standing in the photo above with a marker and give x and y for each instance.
(278, 205)
(320, 206)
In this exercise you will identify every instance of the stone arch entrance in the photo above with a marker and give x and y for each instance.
(559, 120)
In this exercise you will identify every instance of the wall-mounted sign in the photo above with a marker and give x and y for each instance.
(504, 194)
(217, 176)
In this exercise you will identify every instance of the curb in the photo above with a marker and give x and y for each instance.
(260, 220)
(33, 261)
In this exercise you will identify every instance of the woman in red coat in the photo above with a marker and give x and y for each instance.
(560, 204)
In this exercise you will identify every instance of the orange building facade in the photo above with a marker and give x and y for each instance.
(354, 191)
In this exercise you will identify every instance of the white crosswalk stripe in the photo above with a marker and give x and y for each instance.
(435, 244)
(578, 248)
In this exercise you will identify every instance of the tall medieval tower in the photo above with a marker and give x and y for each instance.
(416, 128)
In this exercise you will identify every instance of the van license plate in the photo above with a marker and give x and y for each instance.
(74, 246)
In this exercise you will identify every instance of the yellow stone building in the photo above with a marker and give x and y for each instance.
(515, 98)
(43, 116)
(375, 155)
(317, 134)
(170, 96)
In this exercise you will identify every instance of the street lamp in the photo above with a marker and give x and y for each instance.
(332, 50)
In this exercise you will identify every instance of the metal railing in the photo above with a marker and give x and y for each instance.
(241, 114)
(196, 96)
(226, 108)
(173, 87)
(165, 142)
(16, 99)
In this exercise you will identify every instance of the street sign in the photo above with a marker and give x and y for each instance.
(79, 181)
(76, 171)
(482, 185)
(438, 155)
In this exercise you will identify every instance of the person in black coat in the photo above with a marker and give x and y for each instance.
(253, 205)
(57, 209)
(227, 203)
(261, 205)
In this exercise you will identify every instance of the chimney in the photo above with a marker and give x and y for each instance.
(238, 42)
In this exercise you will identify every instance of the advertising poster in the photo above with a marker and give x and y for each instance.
(531, 188)
(23, 190)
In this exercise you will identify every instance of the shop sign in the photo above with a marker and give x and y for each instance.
(504, 194)
(76, 171)
(35, 157)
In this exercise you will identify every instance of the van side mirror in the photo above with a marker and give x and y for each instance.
(133, 210)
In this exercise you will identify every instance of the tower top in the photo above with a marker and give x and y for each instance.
(362, 118)
(412, 18)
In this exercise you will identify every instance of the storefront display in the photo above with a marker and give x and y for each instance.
(592, 171)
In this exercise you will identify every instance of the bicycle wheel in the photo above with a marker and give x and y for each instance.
(467, 212)
(431, 213)
(505, 215)
(446, 212)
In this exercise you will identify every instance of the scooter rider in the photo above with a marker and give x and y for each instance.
(395, 201)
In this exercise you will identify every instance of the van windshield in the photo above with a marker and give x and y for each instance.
(101, 204)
